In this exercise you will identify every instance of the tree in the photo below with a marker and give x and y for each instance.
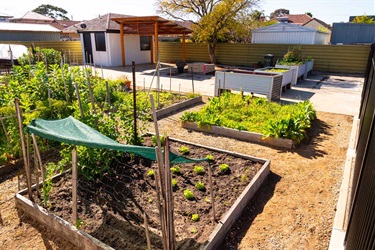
(363, 19)
(279, 12)
(52, 11)
(309, 14)
(213, 18)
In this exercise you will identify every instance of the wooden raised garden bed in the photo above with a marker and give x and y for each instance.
(112, 206)
(249, 81)
(240, 135)
(178, 106)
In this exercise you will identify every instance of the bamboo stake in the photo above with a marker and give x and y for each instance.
(36, 173)
(28, 153)
(27, 169)
(212, 193)
(159, 205)
(134, 105)
(90, 91)
(63, 79)
(74, 185)
(79, 100)
(147, 232)
(36, 148)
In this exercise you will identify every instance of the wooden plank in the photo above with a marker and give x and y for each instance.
(178, 106)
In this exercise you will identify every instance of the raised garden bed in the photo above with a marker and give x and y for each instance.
(288, 75)
(300, 70)
(111, 207)
(177, 106)
(249, 81)
(240, 135)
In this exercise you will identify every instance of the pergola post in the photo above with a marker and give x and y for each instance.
(183, 48)
(122, 42)
(156, 37)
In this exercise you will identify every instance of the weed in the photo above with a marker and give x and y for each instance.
(79, 223)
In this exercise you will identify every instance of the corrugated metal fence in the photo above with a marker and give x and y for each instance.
(330, 58)
(361, 231)
(71, 49)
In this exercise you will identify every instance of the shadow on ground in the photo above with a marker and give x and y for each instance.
(254, 208)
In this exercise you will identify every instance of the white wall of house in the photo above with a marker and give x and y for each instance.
(316, 25)
(112, 55)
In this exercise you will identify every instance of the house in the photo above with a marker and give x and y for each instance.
(4, 17)
(288, 33)
(28, 32)
(117, 39)
(299, 19)
(353, 33)
(318, 24)
(62, 25)
(32, 17)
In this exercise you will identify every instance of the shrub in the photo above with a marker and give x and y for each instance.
(199, 169)
(188, 194)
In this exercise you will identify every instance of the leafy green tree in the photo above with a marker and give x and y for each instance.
(212, 19)
(363, 19)
(52, 11)
(309, 14)
(279, 12)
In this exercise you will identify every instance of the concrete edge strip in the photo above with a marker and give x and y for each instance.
(342, 207)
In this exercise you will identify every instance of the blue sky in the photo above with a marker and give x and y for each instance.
(328, 11)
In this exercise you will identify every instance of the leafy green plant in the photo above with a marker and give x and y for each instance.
(294, 56)
(200, 186)
(162, 140)
(188, 194)
(47, 184)
(79, 223)
(210, 157)
(176, 169)
(184, 150)
(224, 168)
(199, 169)
(174, 183)
(195, 217)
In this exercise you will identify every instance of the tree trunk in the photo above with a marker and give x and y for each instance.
(211, 51)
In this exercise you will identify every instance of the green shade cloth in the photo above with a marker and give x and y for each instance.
(72, 131)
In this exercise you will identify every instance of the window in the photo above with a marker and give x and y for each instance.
(100, 41)
(145, 42)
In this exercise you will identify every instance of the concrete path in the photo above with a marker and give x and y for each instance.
(333, 93)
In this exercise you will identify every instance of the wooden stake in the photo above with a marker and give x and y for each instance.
(147, 232)
(36, 148)
(25, 161)
(212, 193)
(159, 206)
(134, 104)
(36, 173)
(79, 100)
(74, 186)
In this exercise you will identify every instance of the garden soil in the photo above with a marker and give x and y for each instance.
(293, 209)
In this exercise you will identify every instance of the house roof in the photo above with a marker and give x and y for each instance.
(145, 25)
(101, 23)
(284, 27)
(33, 16)
(299, 19)
(142, 25)
(63, 24)
(320, 22)
(5, 15)
(5, 26)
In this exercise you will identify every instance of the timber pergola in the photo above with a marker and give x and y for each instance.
(150, 26)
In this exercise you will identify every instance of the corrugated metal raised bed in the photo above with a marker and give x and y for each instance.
(249, 81)
(288, 76)
(300, 69)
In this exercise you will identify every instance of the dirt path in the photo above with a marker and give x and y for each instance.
(294, 209)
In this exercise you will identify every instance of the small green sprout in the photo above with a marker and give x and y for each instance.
(195, 217)
(175, 169)
(151, 173)
(174, 183)
(207, 200)
(244, 178)
(150, 200)
(188, 194)
(184, 150)
(224, 168)
(200, 185)
(193, 231)
(199, 169)
(210, 157)
(79, 223)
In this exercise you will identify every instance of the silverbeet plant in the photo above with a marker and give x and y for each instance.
(188, 194)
